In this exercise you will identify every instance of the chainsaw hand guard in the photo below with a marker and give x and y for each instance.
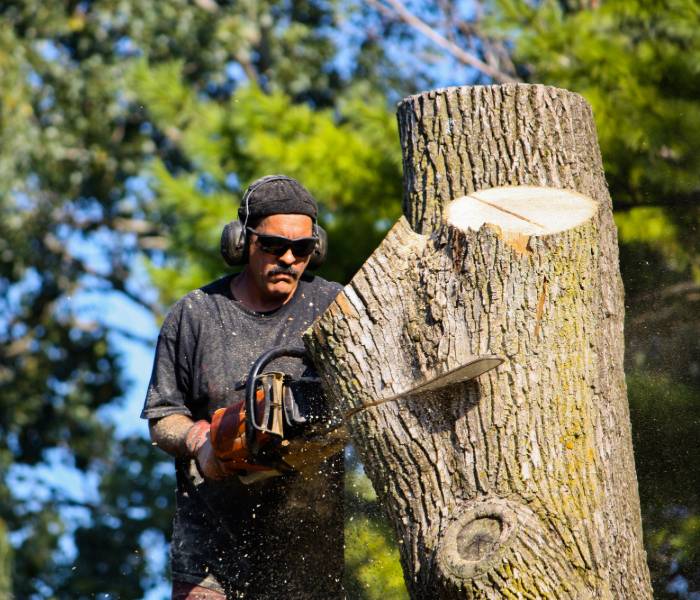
(269, 420)
(248, 436)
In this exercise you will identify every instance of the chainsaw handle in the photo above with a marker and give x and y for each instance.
(258, 366)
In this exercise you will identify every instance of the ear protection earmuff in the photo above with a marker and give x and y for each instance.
(234, 239)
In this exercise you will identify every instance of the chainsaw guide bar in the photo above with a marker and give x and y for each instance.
(477, 365)
(279, 410)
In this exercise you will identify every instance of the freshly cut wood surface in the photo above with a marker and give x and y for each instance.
(524, 209)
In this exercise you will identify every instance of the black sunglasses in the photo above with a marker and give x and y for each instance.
(278, 245)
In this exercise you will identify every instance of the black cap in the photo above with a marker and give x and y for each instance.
(274, 195)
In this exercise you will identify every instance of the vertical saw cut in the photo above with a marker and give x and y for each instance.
(521, 482)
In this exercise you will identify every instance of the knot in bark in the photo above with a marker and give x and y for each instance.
(477, 539)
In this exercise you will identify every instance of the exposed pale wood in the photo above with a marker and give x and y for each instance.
(522, 209)
(520, 484)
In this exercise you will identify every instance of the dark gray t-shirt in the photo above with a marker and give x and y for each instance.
(281, 537)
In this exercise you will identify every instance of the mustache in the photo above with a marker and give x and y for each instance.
(283, 270)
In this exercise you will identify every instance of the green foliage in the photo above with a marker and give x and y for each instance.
(636, 63)
(68, 146)
(16, 132)
(664, 237)
(348, 158)
(372, 561)
(5, 563)
(372, 568)
(665, 418)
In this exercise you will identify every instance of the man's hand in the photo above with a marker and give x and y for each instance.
(198, 444)
(229, 443)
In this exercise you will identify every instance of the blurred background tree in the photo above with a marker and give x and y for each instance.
(129, 131)
(94, 185)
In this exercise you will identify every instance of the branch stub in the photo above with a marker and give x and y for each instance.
(477, 539)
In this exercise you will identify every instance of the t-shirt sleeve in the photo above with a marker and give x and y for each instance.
(168, 387)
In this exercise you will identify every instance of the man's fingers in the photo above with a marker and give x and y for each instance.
(207, 463)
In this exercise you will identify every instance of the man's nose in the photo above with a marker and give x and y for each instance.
(288, 257)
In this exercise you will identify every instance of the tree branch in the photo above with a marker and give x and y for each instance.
(131, 225)
(464, 57)
(248, 68)
(447, 8)
(209, 5)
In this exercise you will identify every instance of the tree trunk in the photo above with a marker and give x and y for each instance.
(520, 484)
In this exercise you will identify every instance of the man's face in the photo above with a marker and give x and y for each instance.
(276, 277)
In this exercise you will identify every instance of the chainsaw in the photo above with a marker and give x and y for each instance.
(252, 435)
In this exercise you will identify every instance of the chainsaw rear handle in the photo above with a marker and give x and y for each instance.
(250, 423)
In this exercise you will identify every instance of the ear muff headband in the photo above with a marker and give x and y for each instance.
(234, 239)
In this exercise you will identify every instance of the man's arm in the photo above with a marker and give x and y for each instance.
(169, 433)
(180, 436)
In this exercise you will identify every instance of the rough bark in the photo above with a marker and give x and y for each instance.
(520, 484)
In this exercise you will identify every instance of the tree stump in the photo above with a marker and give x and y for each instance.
(521, 483)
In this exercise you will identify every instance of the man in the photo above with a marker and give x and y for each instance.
(281, 536)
